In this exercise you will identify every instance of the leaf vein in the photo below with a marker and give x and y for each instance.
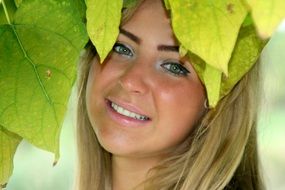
(47, 30)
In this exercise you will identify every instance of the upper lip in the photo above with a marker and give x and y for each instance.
(128, 106)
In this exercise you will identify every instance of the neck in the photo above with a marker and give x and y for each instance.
(128, 173)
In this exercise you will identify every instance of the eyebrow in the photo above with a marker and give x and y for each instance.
(137, 40)
(168, 48)
(130, 35)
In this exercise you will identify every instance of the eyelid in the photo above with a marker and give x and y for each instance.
(184, 71)
(118, 43)
(179, 62)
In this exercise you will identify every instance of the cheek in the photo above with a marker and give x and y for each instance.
(91, 87)
(97, 81)
(183, 96)
(93, 92)
(179, 106)
(100, 80)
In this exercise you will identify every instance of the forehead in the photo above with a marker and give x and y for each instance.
(151, 21)
(151, 11)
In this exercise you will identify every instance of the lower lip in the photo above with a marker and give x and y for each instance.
(124, 120)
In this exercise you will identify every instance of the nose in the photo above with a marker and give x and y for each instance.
(134, 78)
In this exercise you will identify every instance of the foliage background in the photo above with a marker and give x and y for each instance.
(33, 167)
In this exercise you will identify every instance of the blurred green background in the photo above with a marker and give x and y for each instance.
(34, 170)
(272, 119)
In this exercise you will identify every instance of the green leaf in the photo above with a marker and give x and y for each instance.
(247, 21)
(246, 53)
(38, 56)
(166, 4)
(267, 15)
(182, 51)
(208, 28)
(9, 142)
(103, 20)
(81, 7)
(10, 8)
(129, 3)
(212, 78)
(18, 2)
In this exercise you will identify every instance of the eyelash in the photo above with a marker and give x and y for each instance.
(179, 70)
(123, 50)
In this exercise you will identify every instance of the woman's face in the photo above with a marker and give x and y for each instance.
(144, 99)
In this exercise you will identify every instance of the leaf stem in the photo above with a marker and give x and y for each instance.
(5, 10)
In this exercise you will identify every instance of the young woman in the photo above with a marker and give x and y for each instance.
(143, 120)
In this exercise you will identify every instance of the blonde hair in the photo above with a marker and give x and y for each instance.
(220, 154)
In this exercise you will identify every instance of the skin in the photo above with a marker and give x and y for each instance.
(139, 76)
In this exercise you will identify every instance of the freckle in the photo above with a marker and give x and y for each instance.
(230, 8)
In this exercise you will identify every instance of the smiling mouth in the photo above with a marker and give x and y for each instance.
(128, 113)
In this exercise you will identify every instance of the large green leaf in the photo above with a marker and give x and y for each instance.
(208, 28)
(38, 55)
(10, 8)
(81, 7)
(247, 51)
(212, 78)
(267, 15)
(9, 142)
(103, 20)
(18, 2)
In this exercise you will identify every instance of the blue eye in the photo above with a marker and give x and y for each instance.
(175, 68)
(122, 50)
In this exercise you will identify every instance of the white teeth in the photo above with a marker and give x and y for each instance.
(128, 113)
